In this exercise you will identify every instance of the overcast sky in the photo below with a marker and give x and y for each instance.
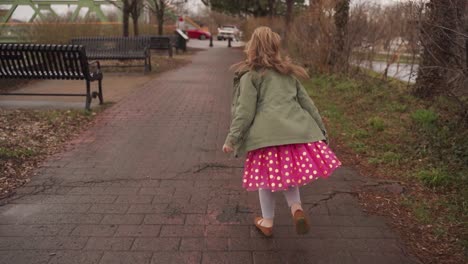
(25, 12)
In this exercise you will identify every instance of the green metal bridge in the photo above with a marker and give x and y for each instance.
(43, 11)
(42, 7)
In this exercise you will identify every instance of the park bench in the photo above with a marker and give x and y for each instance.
(116, 48)
(160, 43)
(44, 61)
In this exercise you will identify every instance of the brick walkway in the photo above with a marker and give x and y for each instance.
(148, 184)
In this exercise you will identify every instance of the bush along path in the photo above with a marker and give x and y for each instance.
(419, 149)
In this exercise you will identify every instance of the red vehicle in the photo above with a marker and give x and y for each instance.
(198, 34)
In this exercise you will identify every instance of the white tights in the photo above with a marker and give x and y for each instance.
(267, 201)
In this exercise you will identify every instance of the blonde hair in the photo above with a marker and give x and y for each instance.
(263, 51)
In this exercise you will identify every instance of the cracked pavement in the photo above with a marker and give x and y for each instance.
(146, 184)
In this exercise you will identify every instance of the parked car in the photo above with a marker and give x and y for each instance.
(228, 31)
(198, 34)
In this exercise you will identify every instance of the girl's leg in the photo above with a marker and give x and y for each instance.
(294, 201)
(267, 203)
(293, 198)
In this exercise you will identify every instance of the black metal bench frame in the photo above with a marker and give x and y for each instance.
(116, 48)
(159, 43)
(45, 61)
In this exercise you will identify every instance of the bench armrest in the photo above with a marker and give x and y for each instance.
(97, 63)
(95, 70)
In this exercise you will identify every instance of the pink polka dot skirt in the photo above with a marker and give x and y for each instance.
(280, 167)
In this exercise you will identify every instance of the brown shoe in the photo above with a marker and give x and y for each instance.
(301, 223)
(267, 231)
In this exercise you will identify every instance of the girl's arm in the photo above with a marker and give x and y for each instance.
(307, 104)
(244, 112)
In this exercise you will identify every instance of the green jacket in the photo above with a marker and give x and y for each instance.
(271, 109)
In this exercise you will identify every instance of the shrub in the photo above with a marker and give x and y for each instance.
(346, 86)
(358, 146)
(397, 107)
(374, 161)
(377, 124)
(360, 133)
(435, 177)
(7, 153)
(424, 117)
(390, 157)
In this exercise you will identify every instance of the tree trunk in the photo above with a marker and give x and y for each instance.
(135, 14)
(287, 20)
(160, 25)
(159, 10)
(126, 18)
(441, 54)
(271, 8)
(337, 60)
(136, 30)
(463, 28)
(160, 17)
(289, 10)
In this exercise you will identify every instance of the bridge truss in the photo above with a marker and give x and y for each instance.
(43, 8)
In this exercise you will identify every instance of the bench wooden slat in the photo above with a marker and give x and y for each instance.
(68, 69)
(8, 63)
(45, 62)
(62, 64)
(56, 61)
(72, 59)
(24, 63)
(53, 64)
(31, 57)
(3, 67)
(40, 65)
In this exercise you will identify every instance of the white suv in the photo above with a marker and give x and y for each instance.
(228, 31)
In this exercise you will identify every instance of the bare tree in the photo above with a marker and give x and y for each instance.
(136, 9)
(338, 56)
(126, 17)
(443, 37)
(130, 8)
(159, 8)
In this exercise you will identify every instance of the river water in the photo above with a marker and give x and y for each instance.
(399, 71)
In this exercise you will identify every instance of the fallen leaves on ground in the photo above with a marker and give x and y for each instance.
(28, 136)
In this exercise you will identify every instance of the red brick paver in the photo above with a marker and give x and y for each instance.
(148, 184)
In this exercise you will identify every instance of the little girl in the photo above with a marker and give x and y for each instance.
(275, 122)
